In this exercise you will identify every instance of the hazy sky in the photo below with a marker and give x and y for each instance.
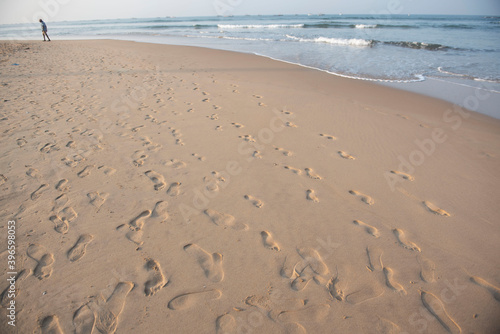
(15, 11)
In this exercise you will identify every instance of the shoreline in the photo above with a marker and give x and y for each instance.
(471, 95)
(201, 190)
(485, 103)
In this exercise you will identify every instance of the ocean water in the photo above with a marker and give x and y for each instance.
(406, 51)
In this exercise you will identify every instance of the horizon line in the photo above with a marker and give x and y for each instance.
(243, 15)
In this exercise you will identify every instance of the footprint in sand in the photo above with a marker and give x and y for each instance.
(62, 185)
(335, 288)
(224, 220)
(210, 263)
(62, 219)
(44, 260)
(60, 225)
(50, 325)
(286, 153)
(391, 282)
(191, 299)
(217, 176)
(427, 269)
(310, 172)
(368, 228)
(73, 160)
(237, 125)
(107, 312)
(137, 128)
(346, 155)
(107, 170)
(21, 142)
(365, 198)
(301, 278)
(138, 222)
(403, 175)
(256, 155)
(160, 212)
(385, 326)
(78, 250)
(157, 280)
(175, 163)
(37, 193)
(225, 324)
(84, 320)
(60, 202)
(403, 240)
(311, 195)
(273, 303)
(367, 292)
(495, 291)
(315, 313)
(150, 117)
(157, 178)
(68, 214)
(47, 148)
(211, 183)
(97, 199)
(268, 241)
(330, 137)
(146, 141)
(436, 307)
(312, 258)
(86, 171)
(374, 259)
(247, 138)
(176, 133)
(255, 201)
(293, 169)
(135, 227)
(294, 328)
(434, 209)
(33, 172)
(139, 158)
(174, 189)
(197, 156)
(153, 147)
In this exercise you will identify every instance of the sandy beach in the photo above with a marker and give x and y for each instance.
(166, 189)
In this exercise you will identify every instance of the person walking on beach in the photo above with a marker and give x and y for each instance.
(44, 30)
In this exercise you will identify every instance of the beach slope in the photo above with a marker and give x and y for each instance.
(159, 188)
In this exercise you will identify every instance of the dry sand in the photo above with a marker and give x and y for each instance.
(166, 189)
